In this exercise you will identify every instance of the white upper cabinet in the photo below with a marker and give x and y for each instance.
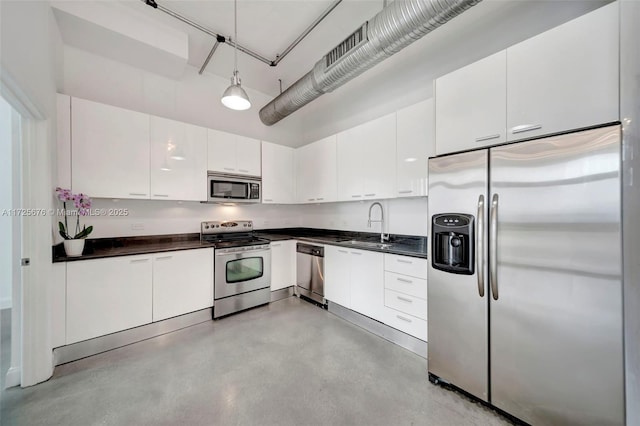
(316, 171)
(565, 78)
(63, 143)
(366, 160)
(415, 143)
(229, 153)
(110, 151)
(277, 174)
(178, 160)
(470, 105)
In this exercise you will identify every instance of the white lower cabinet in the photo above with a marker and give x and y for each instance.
(354, 279)
(107, 295)
(367, 283)
(337, 275)
(283, 264)
(405, 294)
(182, 282)
(58, 305)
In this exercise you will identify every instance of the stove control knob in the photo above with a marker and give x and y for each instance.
(206, 227)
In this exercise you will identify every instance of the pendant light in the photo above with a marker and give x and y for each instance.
(235, 97)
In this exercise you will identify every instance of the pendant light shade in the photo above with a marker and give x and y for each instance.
(235, 97)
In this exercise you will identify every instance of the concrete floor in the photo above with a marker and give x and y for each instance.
(288, 363)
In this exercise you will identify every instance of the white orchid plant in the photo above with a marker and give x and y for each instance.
(82, 204)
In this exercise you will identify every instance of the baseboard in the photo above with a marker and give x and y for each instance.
(283, 293)
(13, 377)
(5, 303)
(413, 344)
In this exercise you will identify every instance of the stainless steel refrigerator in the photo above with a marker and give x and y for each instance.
(525, 277)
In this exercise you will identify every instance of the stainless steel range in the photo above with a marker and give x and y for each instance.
(242, 275)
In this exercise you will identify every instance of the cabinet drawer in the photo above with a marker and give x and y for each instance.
(405, 284)
(406, 265)
(406, 323)
(404, 303)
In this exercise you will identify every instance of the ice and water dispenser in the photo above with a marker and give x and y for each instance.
(452, 236)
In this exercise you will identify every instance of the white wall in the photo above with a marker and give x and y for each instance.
(172, 217)
(6, 178)
(193, 99)
(31, 69)
(402, 216)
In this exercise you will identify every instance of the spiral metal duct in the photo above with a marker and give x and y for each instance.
(392, 29)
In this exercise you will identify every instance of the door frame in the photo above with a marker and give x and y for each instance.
(31, 294)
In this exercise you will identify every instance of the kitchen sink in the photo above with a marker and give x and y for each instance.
(370, 244)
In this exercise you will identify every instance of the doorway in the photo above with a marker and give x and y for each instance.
(10, 246)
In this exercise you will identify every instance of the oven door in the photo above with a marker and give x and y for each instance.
(241, 269)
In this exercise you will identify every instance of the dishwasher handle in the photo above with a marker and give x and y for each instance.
(309, 249)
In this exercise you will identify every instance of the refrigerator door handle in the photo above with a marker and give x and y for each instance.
(480, 246)
(493, 247)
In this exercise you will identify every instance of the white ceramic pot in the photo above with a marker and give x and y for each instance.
(74, 248)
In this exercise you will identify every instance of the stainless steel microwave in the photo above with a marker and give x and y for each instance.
(226, 188)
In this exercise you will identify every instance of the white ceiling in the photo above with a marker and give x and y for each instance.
(266, 27)
(269, 26)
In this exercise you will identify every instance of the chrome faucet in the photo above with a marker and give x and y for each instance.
(383, 237)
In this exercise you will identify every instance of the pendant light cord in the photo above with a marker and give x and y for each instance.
(235, 40)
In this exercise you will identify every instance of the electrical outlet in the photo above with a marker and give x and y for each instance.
(137, 226)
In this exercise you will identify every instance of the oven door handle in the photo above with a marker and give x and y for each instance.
(243, 252)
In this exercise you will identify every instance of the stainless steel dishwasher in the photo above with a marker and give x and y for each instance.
(310, 272)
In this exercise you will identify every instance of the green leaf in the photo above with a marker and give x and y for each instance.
(63, 231)
(84, 233)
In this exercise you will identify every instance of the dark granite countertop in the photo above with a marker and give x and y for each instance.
(406, 245)
(127, 246)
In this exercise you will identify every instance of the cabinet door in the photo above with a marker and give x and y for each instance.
(337, 273)
(277, 174)
(367, 283)
(182, 282)
(326, 185)
(305, 170)
(283, 264)
(350, 164)
(110, 151)
(178, 160)
(415, 143)
(221, 155)
(378, 141)
(470, 105)
(565, 78)
(248, 156)
(107, 295)
(63, 140)
(58, 304)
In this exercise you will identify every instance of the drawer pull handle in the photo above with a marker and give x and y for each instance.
(369, 195)
(404, 299)
(243, 170)
(138, 260)
(229, 169)
(356, 253)
(403, 280)
(137, 194)
(163, 257)
(404, 261)
(487, 138)
(310, 199)
(275, 244)
(525, 128)
(400, 317)
(160, 195)
(356, 196)
(268, 199)
(343, 251)
(319, 199)
(406, 191)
